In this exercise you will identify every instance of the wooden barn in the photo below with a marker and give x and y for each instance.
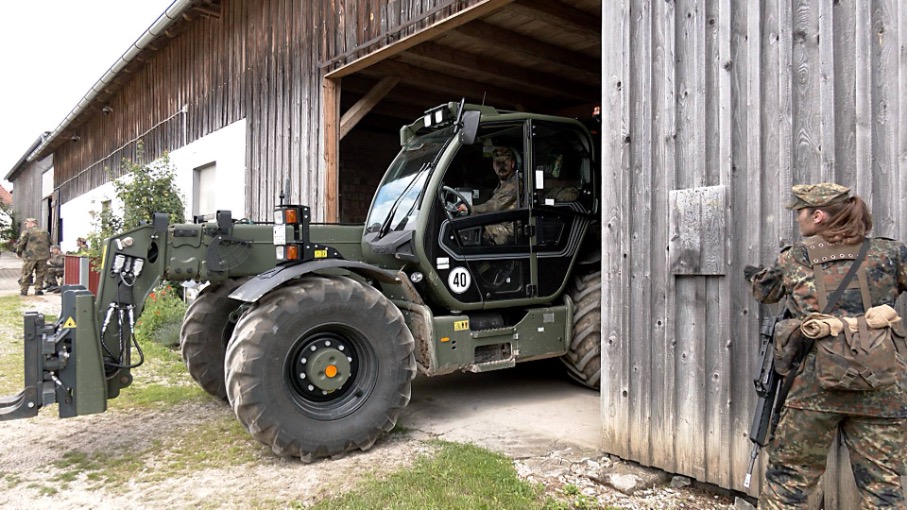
(711, 110)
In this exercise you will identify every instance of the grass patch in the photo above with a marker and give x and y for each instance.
(217, 444)
(458, 476)
(162, 381)
(11, 347)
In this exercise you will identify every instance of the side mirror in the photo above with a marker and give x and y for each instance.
(470, 127)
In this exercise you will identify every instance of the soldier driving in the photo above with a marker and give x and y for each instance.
(503, 198)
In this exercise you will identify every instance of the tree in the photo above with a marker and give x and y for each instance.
(147, 188)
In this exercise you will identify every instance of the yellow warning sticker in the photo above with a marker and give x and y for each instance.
(321, 254)
(69, 324)
(462, 325)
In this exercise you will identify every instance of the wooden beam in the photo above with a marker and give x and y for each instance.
(561, 16)
(365, 104)
(457, 87)
(511, 41)
(520, 76)
(331, 91)
(465, 16)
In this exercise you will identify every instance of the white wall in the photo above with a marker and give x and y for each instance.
(225, 147)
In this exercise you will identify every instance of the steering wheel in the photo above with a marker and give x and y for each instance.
(452, 208)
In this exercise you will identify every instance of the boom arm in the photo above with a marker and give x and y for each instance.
(90, 347)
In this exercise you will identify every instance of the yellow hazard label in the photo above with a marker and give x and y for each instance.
(321, 254)
(69, 324)
(462, 325)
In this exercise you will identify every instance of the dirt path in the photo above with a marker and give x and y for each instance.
(195, 455)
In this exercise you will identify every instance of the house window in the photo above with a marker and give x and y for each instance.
(204, 191)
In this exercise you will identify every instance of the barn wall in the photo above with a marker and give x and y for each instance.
(263, 61)
(712, 110)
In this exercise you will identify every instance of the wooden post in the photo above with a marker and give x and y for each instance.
(331, 92)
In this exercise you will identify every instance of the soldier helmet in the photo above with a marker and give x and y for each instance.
(502, 154)
(818, 195)
(31, 220)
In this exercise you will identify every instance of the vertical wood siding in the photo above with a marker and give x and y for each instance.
(262, 61)
(748, 97)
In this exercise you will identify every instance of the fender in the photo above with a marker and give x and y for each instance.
(254, 289)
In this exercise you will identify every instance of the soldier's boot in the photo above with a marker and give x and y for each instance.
(23, 292)
(39, 292)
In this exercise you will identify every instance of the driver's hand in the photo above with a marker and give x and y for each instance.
(461, 208)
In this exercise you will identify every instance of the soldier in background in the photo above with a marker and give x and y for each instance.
(34, 250)
(54, 269)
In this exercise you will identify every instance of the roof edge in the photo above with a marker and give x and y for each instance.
(153, 32)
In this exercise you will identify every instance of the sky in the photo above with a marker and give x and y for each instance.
(51, 53)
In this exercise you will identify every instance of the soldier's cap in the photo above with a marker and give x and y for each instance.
(31, 220)
(818, 195)
(502, 154)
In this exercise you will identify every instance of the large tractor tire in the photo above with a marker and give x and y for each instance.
(583, 359)
(207, 328)
(320, 368)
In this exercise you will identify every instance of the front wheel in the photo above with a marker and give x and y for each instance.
(207, 327)
(320, 368)
(583, 359)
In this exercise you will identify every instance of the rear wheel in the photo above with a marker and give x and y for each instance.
(320, 368)
(583, 359)
(206, 330)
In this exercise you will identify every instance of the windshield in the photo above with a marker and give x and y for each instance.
(397, 199)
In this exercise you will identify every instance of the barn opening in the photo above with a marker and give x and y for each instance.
(540, 56)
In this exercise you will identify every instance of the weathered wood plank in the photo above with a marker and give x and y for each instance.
(640, 381)
(662, 174)
(615, 234)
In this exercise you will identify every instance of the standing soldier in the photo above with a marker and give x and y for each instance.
(816, 277)
(55, 265)
(34, 250)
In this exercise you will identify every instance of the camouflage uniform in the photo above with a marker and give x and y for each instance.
(34, 249)
(503, 198)
(872, 423)
(55, 265)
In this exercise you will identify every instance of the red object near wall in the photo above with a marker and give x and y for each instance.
(79, 271)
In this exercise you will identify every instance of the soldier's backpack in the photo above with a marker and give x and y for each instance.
(867, 359)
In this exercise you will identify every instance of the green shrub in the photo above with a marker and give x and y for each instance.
(162, 317)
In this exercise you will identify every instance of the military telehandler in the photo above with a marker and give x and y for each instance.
(313, 332)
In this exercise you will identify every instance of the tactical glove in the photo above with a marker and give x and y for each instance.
(750, 271)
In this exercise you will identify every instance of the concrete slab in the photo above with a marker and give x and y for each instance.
(528, 410)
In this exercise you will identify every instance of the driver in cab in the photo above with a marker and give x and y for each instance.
(503, 198)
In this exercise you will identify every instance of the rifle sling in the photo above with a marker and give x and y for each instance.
(807, 344)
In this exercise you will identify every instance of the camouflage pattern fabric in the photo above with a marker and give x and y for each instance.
(872, 422)
(797, 458)
(503, 199)
(818, 195)
(34, 248)
(792, 275)
(55, 266)
(34, 244)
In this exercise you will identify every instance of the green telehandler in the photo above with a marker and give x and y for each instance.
(314, 332)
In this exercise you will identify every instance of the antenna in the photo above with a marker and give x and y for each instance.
(483, 98)
(285, 192)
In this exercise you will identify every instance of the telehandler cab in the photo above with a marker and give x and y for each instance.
(313, 332)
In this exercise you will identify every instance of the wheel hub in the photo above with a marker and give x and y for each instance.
(323, 366)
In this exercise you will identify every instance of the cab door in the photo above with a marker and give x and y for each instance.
(485, 257)
(561, 200)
